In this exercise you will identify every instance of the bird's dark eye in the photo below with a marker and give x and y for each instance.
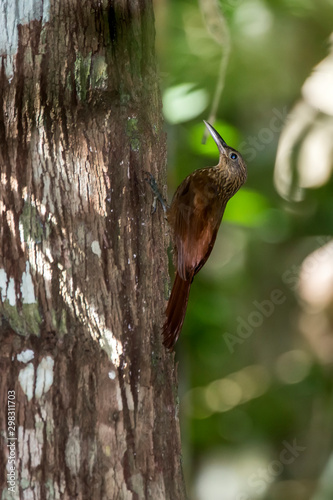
(233, 156)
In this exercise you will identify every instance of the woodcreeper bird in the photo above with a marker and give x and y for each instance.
(194, 217)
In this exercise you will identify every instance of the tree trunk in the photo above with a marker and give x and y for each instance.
(88, 393)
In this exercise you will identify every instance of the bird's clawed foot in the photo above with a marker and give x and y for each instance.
(157, 194)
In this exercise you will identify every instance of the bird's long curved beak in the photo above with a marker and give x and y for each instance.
(220, 143)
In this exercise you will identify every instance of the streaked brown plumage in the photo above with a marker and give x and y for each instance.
(194, 216)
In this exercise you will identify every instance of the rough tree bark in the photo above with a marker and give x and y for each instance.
(83, 265)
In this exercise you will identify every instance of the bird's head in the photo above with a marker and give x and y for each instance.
(231, 164)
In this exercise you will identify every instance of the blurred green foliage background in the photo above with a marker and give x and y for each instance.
(256, 351)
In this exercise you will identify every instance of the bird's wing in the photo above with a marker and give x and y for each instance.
(195, 216)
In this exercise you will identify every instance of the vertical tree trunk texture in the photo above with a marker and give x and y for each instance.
(83, 264)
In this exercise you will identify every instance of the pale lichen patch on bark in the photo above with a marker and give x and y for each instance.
(25, 356)
(129, 397)
(26, 319)
(44, 376)
(7, 288)
(27, 287)
(11, 15)
(118, 397)
(36, 441)
(96, 249)
(27, 379)
(30, 448)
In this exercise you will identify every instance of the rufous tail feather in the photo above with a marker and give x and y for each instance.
(175, 311)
